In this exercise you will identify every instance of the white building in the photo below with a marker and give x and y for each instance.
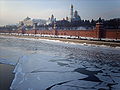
(74, 16)
(30, 22)
(51, 20)
(39, 21)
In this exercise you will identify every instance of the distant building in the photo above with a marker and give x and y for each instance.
(30, 22)
(74, 16)
(67, 18)
(51, 20)
(71, 13)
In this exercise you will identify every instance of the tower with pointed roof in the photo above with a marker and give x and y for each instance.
(71, 13)
(74, 16)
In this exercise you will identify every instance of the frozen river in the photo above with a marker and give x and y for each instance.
(54, 65)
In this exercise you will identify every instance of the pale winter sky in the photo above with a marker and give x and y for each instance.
(12, 11)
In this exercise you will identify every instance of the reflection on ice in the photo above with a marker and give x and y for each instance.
(51, 65)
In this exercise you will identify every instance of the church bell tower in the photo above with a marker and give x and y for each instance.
(71, 13)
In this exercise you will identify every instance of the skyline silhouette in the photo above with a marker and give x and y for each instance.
(12, 11)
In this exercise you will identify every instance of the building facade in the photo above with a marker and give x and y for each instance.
(74, 16)
(51, 20)
(30, 22)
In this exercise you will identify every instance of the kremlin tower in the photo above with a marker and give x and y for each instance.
(71, 13)
(74, 16)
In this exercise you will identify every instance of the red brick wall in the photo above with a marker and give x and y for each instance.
(118, 34)
(4, 31)
(103, 33)
(81, 33)
(112, 34)
(30, 31)
(19, 31)
(49, 32)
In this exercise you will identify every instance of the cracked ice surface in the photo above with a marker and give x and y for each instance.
(53, 65)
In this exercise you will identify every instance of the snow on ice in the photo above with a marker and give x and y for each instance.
(55, 65)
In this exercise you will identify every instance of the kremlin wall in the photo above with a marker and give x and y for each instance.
(99, 33)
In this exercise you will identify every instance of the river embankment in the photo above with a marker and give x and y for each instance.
(79, 41)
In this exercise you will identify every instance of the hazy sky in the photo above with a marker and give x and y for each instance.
(12, 11)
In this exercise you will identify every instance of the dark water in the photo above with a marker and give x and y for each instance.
(6, 76)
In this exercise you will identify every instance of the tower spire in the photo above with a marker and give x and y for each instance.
(71, 13)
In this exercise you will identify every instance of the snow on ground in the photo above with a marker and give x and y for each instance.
(53, 65)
